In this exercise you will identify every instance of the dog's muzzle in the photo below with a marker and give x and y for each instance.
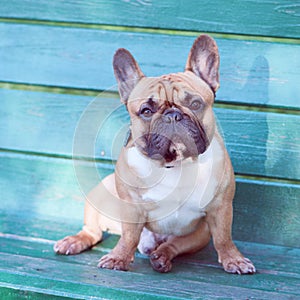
(175, 136)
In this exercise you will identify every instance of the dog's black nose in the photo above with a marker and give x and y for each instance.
(172, 115)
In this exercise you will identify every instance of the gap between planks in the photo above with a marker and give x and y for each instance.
(108, 94)
(152, 30)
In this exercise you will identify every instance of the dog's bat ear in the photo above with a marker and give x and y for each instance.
(127, 72)
(204, 60)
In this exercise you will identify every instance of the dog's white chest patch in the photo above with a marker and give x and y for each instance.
(180, 194)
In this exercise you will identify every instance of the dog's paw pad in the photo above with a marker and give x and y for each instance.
(112, 262)
(160, 262)
(240, 266)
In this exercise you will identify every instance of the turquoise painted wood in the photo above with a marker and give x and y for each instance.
(45, 203)
(53, 44)
(259, 73)
(259, 143)
(260, 253)
(48, 190)
(267, 18)
(194, 276)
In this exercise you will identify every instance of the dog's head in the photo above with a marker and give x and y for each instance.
(171, 116)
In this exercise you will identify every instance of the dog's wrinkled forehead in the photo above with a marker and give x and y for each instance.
(171, 88)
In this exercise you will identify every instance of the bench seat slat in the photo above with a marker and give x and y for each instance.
(251, 72)
(259, 143)
(267, 18)
(36, 188)
(262, 254)
(199, 272)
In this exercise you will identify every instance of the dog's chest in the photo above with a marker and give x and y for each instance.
(178, 199)
(177, 196)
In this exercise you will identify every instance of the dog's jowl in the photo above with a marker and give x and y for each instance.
(173, 180)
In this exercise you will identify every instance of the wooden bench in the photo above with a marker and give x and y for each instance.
(56, 58)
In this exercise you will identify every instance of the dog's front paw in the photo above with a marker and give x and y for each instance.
(74, 244)
(114, 262)
(239, 266)
(160, 261)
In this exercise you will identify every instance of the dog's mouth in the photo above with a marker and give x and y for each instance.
(160, 147)
(171, 144)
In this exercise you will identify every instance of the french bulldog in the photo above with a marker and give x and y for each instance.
(173, 181)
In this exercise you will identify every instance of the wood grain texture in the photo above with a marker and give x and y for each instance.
(92, 282)
(259, 143)
(267, 18)
(42, 190)
(251, 72)
(271, 206)
(31, 265)
(37, 191)
(263, 255)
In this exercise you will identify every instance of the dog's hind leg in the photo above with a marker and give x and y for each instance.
(161, 258)
(94, 223)
(149, 241)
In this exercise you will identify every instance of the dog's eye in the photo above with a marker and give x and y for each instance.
(195, 105)
(146, 112)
